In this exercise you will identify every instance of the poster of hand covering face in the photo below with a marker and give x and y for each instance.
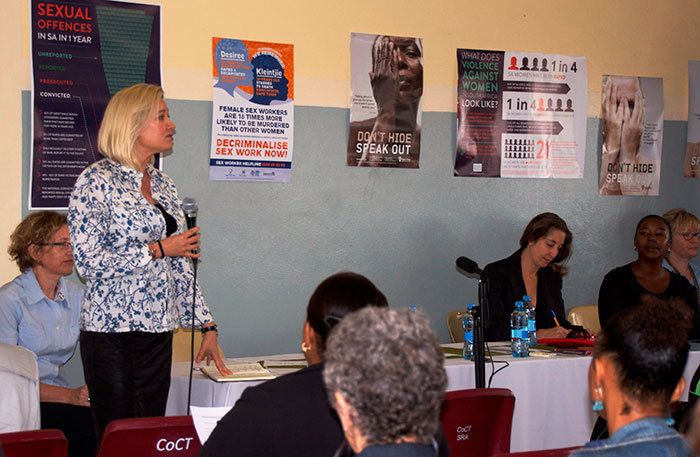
(385, 103)
(632, 112)
(82, 53)
(691, 164)
(253, 111)
(520, 114)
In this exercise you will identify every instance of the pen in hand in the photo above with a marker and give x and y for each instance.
(554, 315)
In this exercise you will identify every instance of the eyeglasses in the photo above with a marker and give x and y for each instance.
(687, 236)
(65, 245)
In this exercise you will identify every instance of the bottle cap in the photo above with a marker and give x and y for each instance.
(518, 305)
(470, 306)
(526, 298)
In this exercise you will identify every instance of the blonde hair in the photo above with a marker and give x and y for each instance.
(681, 220)
(36, 228)
(125, 117)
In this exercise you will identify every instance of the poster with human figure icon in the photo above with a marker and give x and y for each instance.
(632, 112)
(386, 101)
(691, 164)
(253, 111)
(520, 114)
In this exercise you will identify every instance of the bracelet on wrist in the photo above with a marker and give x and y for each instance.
(210, 328)
(153, 250)
(162, 253)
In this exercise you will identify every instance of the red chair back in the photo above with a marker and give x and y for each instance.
(170, 436)
(478, 421)
(560, 452)
(44, 443)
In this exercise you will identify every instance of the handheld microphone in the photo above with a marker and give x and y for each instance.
(189, 206)
(467, 265)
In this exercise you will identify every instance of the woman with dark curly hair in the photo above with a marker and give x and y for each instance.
(39, 311)
(536, 270)
(635, 374)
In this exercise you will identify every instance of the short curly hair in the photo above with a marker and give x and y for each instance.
(389, 368)
(36, 228)
(648, 346)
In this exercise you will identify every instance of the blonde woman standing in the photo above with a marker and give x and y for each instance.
(132, 247)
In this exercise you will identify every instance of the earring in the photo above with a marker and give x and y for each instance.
(305, 347)
(598, 402)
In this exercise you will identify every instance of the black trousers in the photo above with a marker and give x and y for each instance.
(75, 422)
(127, 374)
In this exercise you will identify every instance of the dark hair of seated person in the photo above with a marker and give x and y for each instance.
(653, 216)
(336, 297)
(648, 346)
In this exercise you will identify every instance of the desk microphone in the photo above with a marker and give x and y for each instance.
(467, 265)
(468, 268)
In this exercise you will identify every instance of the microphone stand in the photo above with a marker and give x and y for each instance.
(479, 353)
(479, 312)
(190, 208)
(194, 301)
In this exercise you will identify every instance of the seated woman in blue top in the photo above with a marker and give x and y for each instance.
(536, 270)
(39, 311)
(685, 241)
(635, 374)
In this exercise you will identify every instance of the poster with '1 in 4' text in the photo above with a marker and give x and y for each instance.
(520, 114)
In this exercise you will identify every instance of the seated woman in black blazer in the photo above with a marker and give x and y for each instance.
(535, 270)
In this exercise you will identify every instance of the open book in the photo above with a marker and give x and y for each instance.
(239, 372)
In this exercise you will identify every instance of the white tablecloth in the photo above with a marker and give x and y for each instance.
(552, 408)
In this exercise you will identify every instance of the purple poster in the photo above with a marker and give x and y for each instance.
(83, 52)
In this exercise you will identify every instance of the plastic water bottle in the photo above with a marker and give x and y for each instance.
(468, 326)
(519, 339)
(531, 323)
